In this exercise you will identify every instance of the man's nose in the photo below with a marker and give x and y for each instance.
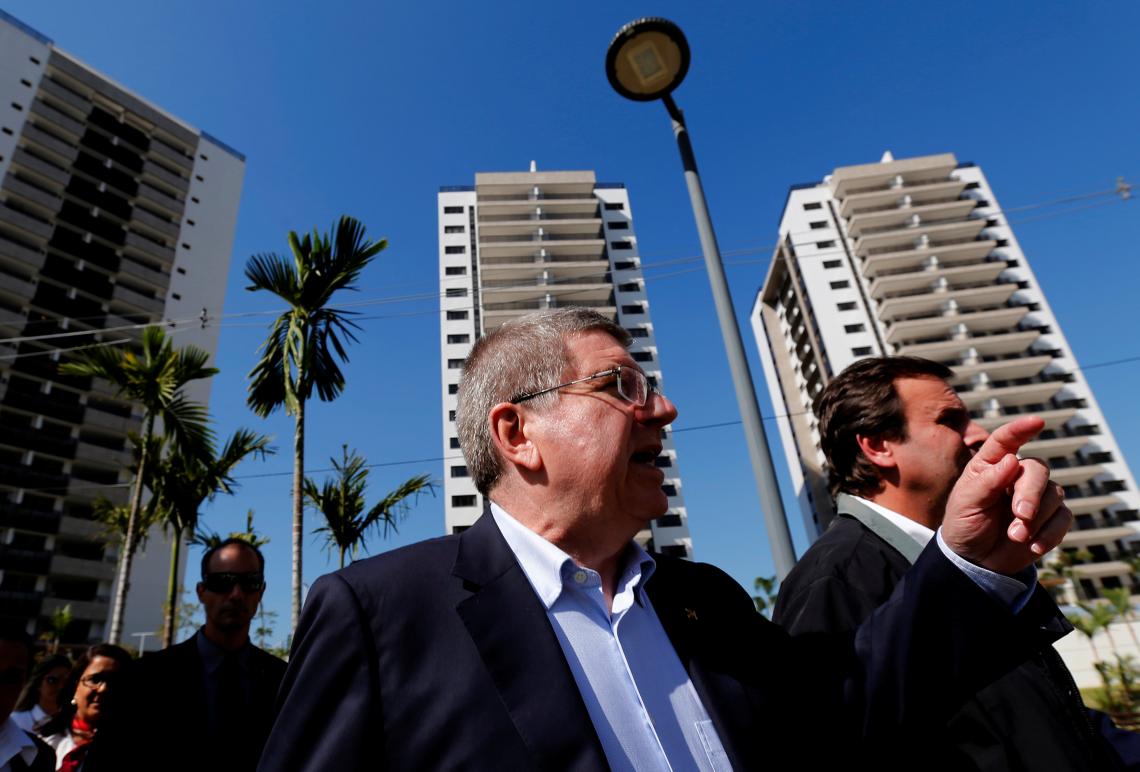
(659, 410)
(975, 436)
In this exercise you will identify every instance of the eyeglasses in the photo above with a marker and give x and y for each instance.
(632, 385)
(254, 581)
(98, 680)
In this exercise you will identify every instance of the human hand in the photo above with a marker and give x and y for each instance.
(1003, 513)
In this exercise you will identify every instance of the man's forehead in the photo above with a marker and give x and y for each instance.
(927, 394)
(592, 348)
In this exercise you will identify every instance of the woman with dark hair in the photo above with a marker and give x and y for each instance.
(86, 695)
(40, 699)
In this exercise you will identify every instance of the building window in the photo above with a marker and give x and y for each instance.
(456, 250)
(669, 489)
(638, 332)
(841, 284)
(854, 327)
(457, 292)
(817, 224)
(623, 265)
(812, 205)
(674, 551)
(453, 210)
(615, 206)
(631, 286)
(454, 228)
(451, 416)
(662, 462)
(455, 270)
(455, 364)
(462, 501)
(832, 263)
(642, 356)
(861, 351)
(461, 338)
(454, 315)
(621, 245)
(634, 308)
(459, 471)
(453, 443)
(824, 244)
(619, 226)
(453, 388)
(848, 306)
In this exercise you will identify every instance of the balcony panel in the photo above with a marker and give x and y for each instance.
(64, 153)
(1012, 396)
(909, 259)
(1054, 419)
(1100, 570)
(1092, 536)
(76, 526)
(160, 199)
(553, 247)
(919, 194)
(1087, 505)
(585, 205)
(24, 224)
(906, 238)
(41, 110)
(48, 204)
(1054, 447)
(1003, 370)
(109, 422)
(137, 300)
(523, 226)
(155, 278)
(952, 350)
(20, 289)
(17, 254)
(932, 302)
(975, 322)
(86, 610)
(148, 248)
(898, 217)
(1075, 475)
(513, 293)
(103, 570)
(165, 177)
(99, 456)
(955, 276)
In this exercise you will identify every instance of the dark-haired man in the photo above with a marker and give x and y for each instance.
(20, 751)
(897, 437)
(544, 637)
(205, 703)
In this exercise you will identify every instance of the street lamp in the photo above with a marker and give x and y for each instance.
(647, 60)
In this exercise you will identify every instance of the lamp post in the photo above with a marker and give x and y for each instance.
(647, 60)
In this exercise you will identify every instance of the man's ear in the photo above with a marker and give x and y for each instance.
(877, 450)
(509, 433)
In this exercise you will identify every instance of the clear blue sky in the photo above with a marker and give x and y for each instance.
(367, 108)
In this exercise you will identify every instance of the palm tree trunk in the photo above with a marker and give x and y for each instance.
(342, 557)
(172, 591)
(298, 508)
(128, 549)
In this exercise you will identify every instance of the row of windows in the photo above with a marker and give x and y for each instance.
(841, 284)
(832, 263)
(454, 228)
(824, 244)
(459, 338)
(455, 250)
(456, 315)
(854, 328)
(455, 270)
(453, 210)
(817, 224)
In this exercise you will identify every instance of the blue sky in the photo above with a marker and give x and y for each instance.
(367, 108)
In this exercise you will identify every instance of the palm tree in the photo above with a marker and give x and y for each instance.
(211, 539)
(1089, 627)
(1102, 616)
(307, 340)
(182, 483)
(341, 500)
(767, 600)
(1120, 599)
(153, 378)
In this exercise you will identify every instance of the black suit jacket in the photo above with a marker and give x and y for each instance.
(1030, 719)
(160, 720)
(44, 760)
(440, 656)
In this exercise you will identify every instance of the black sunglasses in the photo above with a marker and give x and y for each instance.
(225, 582)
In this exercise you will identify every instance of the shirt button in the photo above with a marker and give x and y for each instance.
(580, 576)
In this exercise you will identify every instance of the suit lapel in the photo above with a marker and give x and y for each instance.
(512, 632)
(685, 614)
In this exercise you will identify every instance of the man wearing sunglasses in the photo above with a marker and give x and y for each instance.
(205, 703)
(544, 637)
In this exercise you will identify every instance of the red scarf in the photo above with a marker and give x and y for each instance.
(82, 734)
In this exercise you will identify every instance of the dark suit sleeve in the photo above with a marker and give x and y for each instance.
(826, 604)
(328, 709)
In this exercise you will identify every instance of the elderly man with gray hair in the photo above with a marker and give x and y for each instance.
(544, 637)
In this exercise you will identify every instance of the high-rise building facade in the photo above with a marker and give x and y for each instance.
(113, 215)
(915, 257)
(517, 242)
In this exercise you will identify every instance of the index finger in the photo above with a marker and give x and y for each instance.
(1008, 438)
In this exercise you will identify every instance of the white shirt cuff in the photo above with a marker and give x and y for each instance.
(1013, 591)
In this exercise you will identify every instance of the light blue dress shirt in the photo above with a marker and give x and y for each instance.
(638, 695)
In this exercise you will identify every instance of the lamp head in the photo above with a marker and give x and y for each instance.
(647, 59)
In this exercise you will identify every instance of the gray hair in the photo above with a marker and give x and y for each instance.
(524, 355)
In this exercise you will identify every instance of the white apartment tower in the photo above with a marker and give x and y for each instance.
(915, 257)
(516, 242)
(113, 214)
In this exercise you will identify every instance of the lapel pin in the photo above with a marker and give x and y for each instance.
(691, 614)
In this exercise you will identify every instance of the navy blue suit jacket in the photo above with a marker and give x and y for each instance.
(440, 656)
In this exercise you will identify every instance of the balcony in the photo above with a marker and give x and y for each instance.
(25, 224)
(896, 217)
(930, 303)
(1001, 370)
(17, 254)
(21, 604)
(137, 301)
(911, 259)
(24, 561)
(852, 180)
(511, 290)
(1101, 570)
(39, 167)
(46, 204)
(858, 203)
(21, 290)
(63, 153)
(908, 238)
(588, 227)
(41, 110)
(84, 529)
(164, 229)
(109, 422)
(1054, 419)
(152, 276)
(86, 610)
(955, 276)
(160, 199)
(1012, 396)
(149, 248)
(1092, 536)
(26, 519)
(952, 350)
(1054, 447)
(523, 204)
(524, 247)
(153, 172)
(1075, 475)
(102, 570)
(937, 326)
(101, 456)
(1087, 505)
(494, 314)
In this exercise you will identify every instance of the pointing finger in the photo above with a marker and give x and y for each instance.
(1006, 439)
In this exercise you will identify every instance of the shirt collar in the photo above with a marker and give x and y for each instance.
(14, 742)
(549, 569)
(917, 531)
(213, 655)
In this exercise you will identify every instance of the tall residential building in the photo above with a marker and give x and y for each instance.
(915, 257)
(113, 214)
(516, 242)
